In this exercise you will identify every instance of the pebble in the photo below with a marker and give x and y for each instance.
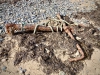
(22, 71)
(47, 50)
(42, 11)
(98, 28)
(76, 54)
(4, 68)
(3, 60)
(36, 45)
(62, 73)
(78, 38)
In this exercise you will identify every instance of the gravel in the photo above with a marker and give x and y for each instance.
(32, 11)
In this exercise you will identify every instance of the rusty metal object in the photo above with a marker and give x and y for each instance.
(11, 28)
(67, 30)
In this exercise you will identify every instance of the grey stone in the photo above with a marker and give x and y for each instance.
(3, 60)
(62, 73)
(1, 39)
(21, 70)
(4, 68)
(98, 28)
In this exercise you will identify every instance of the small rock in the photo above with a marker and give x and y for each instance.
(98, 28)
(42, 11)
(4, 68)
(47, 50)
(1, 9)
(20, 68)
(78, 38)
(36, 45)
(76, 23)
(1, 39)
(62, 73)
(22, 71)
(76, 54)
(3, 60)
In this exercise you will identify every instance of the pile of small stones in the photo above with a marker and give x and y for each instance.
(32, 11)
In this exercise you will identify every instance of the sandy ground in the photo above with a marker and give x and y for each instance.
(91, 67)
(33, 67)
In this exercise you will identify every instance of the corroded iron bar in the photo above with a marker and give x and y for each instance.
(66, 29)
(10, 28)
